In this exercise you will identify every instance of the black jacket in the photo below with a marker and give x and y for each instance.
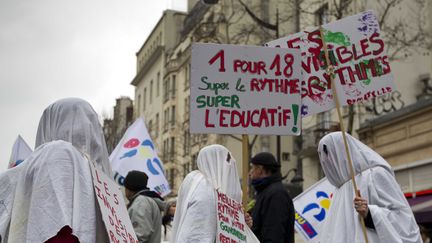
(273, 214)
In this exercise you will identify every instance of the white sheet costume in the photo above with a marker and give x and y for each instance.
(54, 187)
(392, 216)
(195, 216)
(8, 181)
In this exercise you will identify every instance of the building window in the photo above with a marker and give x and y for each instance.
(150, 128)
(173, 115)
(151, 92)
(166, 119)
(157, 84)
(186, 109)
(157, 125)
(139, 104)
(194, 162)
(144, 98)
(164, 149)
(285, 156)
(187, 75)
(186, 142)
(171, 178)
(185, 169)
(166, 90)
(172, 148)
(173, 86)
(194, 165)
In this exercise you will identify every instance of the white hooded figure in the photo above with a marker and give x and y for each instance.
(8, 181)
(196, 212)
(393, 220)
(54, 188)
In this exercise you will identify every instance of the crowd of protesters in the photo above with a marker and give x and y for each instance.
(50, 195)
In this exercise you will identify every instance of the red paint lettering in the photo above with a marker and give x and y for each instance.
(374, 38)
(207, 123)
(364, 47)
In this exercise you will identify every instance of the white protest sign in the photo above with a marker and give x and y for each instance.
(20, 151)
(357, 53)
(230, 220)
(245, 90)
(136, 151)
(113, 208)
(311, 209)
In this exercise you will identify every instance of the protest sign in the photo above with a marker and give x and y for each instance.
(245, 90)
(20, 151)
(113, 208)
(311, 208)
(230, 220)
(357, 53)
(136, 151)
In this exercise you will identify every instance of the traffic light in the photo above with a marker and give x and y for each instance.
(210, 1)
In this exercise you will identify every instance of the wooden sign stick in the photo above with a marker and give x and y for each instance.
(245, 171)
(330, 72)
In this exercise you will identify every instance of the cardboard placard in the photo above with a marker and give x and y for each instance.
(113, 208)
(245, 90)
(357, 53)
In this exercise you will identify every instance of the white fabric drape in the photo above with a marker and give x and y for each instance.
(54, 188)
(74, 120)
(195, 217)
(391, 214)
(8, 181)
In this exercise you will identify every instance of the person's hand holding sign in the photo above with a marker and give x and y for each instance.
(361, 206)
(248, 219)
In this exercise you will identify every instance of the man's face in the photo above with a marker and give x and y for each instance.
(128, 193)
(256, 172)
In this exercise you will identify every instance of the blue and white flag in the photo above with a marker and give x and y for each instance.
(137, 152)
(20, 151)
(312, 207)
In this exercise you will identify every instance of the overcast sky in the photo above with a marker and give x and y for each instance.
(52, 49)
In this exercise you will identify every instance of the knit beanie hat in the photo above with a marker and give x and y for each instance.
(136, 181)
(266, 159)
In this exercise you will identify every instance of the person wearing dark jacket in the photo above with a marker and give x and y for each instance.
(273, 213)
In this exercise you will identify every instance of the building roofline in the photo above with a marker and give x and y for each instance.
(156, 26)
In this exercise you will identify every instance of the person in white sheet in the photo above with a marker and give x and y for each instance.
(195, 216)
(386, 212)
(54, 200)
(8, 181)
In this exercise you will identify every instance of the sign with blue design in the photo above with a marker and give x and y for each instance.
(137, 152)
(311, 208)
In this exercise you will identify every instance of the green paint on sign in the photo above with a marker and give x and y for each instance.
(368, 72)
(338, 38)
(295, 110)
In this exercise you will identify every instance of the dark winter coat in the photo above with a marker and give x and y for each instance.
(273, 214)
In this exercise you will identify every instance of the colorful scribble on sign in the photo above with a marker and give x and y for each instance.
(312, 210)
(356, 52)
(146, 151)
(245, 90)
(136, 151)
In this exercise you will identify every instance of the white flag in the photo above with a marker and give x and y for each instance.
(20, 151)
(137, 152)
(312, 207)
